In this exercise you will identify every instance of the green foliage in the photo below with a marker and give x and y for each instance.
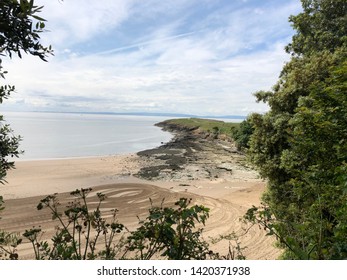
(171, 233)
(18, 33)
(78, 231)
(263, 216)
(9, 147)
(299, 146)
(322, 26)
(205, 125)
(243, 134)
(8, 245)
(8, 241)
(235, 251)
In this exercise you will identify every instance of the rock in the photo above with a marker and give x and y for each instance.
(226, 166)
(188, 157)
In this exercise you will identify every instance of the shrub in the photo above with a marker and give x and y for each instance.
(171, 233)
(78, 232)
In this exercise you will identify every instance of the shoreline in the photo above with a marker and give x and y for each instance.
(43, 177)
(188, 165)
(69, 158)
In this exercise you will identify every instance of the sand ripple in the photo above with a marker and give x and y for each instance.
(132, 200)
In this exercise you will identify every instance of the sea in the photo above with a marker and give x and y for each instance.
(69, 135)
(47, 135)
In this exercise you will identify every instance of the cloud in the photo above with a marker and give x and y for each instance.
(203, 58)
(74, 21)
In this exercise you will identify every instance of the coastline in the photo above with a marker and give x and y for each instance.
(209, 171)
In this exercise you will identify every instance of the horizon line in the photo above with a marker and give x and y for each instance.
(138, 114)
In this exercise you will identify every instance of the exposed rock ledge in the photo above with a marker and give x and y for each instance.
(192, 155)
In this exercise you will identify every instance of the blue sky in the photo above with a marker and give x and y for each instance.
(184, 56)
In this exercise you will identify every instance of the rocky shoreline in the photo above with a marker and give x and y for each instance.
(192, 155)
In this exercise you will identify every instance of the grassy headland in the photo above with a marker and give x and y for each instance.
(205, 126)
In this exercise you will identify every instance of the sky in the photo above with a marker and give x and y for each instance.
(200, 57)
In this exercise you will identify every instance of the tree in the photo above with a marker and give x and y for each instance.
(242, 134)
(322, 26)
(299, 146)
(20, 29)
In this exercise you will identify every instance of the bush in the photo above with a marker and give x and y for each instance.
(78, 232)
(173, 233)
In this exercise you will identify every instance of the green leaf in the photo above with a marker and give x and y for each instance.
(38, 18)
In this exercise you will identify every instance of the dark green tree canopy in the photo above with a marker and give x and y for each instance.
(299, 146)
(321, 26)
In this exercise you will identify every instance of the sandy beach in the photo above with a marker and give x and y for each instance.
(227, 187)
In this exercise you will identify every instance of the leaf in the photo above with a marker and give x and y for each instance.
(38, 18)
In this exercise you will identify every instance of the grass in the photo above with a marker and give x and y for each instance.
(206, 125)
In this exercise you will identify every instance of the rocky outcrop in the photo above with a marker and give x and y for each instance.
(190, 155)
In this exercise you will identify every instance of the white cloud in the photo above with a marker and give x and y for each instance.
(210, 67)
(73, 21)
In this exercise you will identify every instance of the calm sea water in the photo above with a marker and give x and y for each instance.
(61, 135)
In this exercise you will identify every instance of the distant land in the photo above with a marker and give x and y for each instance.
(151, 114)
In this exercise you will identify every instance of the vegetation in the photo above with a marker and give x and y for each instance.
(300, 145)
(171, 233)
(18, 33)
(238, 132)
(78, 231)
(205, 125)
(242, 135)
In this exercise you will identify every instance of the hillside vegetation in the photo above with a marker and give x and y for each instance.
(203, 125)
(239, 133)
(300, 145)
